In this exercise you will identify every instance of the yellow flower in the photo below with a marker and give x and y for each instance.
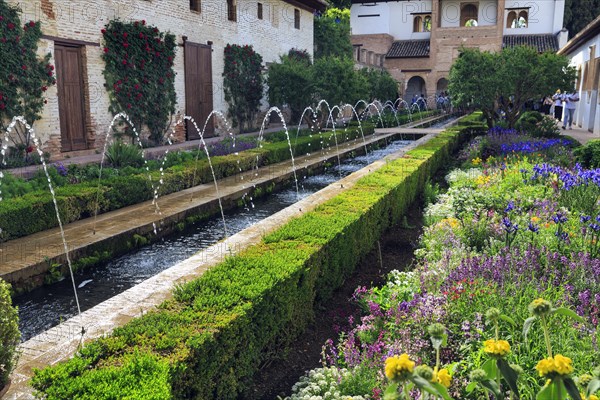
(540, 307)
(496, 348)
(559, 365)
(476, 161)
(593, 397)
(450, 222)
(443, 377)
(545, 366)
(398, 367)
(563, 365)
(535, 220)
(482, 180)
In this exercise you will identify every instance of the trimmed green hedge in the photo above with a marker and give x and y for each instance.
(34, 212)
(209, 340)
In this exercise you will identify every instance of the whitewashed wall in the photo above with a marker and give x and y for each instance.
(544, 17)
(587, 114)
(368, 18)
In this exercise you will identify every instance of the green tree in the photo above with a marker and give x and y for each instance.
(507, 79)
(291, 82)
(242, 83)
(381, 85)
(139, 74)
(336, 80)
(579, 13)
(332, 34)
(23, 76)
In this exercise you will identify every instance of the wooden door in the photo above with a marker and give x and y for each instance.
(69, 80)
(198, 88)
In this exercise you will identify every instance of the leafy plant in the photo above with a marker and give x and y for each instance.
(242, 83)
(120, 154)
(139, 74)
(24, 77)
(291, 82)
(9, 334)
(588, 155)
(512, 76)
(332, 34)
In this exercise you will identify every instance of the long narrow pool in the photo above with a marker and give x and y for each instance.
(47, 306)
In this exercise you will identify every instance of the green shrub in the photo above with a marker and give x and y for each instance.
(9, 334)
(588, 155)
(119, 154)
(215, 332)
(537, 125)
(129, 187)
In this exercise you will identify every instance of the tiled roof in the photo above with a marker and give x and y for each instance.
(541, 42)
(409, 48)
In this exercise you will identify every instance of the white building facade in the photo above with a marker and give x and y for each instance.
(584, 51)
(420, 39)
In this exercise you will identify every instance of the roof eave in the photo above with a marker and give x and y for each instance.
(591, 30)
(392, 57)
(309, 5)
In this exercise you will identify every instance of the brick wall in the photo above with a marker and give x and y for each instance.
(83, 19)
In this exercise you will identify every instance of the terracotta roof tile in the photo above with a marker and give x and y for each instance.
(541, 42)
(409, 48)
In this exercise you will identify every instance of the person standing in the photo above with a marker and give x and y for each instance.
(558, 105)
(571, 100)
(546, 104)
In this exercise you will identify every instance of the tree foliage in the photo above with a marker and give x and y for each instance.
(139, 74)
(332, 34)
(242, 83)
(337, 82)
(504, 81)
(9, 334)
(381, 85)
(291, 82)
(579, 13)
(23, 76)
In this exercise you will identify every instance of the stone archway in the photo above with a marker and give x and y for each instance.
(415, 86)
(442, 86)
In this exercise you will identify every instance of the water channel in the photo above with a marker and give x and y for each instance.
(47, 306)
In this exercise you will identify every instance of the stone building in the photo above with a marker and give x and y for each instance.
(584, 51)
(76, 121)
(421, 38)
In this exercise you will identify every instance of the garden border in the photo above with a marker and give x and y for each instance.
(208, 340)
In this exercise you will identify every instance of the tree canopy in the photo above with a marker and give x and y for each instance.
(332, 33)
(504, 81)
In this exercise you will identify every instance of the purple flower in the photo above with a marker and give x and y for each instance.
(533, 228)
(61, 169)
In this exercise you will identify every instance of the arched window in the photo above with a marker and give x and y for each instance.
(510, 20)
(517, 19)
(417, 24)
(427, 23)
(468, 15)
(522, 21)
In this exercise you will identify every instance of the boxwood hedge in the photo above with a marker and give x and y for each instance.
(34, 212)
(210, 338)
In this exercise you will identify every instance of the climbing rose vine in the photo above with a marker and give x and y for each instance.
(23, 76)
(139, 74)
(242, 83)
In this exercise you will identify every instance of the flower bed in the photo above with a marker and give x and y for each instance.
(210, 339)
(508, 265)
